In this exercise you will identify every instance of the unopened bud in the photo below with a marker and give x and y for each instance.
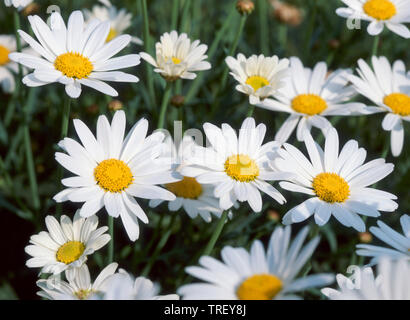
(365, 237)
(178, 100)
(287, 13)
(334, 44)
(31, 9)
(92, 109)
(115, 105)
(273, 215)
(245, 6)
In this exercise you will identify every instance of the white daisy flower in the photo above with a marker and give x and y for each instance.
(238, 167)
(78, 287)
(66, 244)
(309, 96)
(257, 275)
(123, 286)
(75, 55)
(259, 77)
(338, 182)
(120, 20)
(195, 198)
(389, 88)
(400, 243)
(110, 170)
(19, 4)
(177, 57)
(390, 13)
(391, 283)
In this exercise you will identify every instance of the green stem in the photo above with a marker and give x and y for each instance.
(18, 41)
(185, 14)
(216, 234)
(174, 15)
(111, 243)
(65, 117)
(263, 26)
(375, 45)
(164, 104)
(251, 110)
(147, 46)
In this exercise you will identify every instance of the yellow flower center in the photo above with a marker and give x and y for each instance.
(73, 65)
(83, 294)
(113, 175)
(175, 60)
(187, 188)
(241, 168)
(259, 287)
(331, 187)
(399, 103)
(111, 35)
(309, 104)
(380, 9)
(70, 252)
(257, 82)
(4, 55)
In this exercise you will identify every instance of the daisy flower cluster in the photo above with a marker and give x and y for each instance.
(200, 194)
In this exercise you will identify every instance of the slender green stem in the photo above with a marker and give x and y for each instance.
(263, 26)
(174, 14)
(18, 41)
(111, 243)
(251, 110)
(216, 234)
(185, 14)
(375, 45)
(65, 117)
(147, 48)
(212, 50)
(164, 104)
(283, 37)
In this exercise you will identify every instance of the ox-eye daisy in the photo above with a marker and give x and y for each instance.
(194, 197)
(120, 20)
(238, 167)
(19, 4)
(66, 244)
(311, 95)
(123, 286)
(78, 287)
(177, 57)
(338, 182)
(257, 275)
(110, 170)
(400, 243)
(389, 88)
(75, 55)
(391, 283)
(259, 77)
(390, 13)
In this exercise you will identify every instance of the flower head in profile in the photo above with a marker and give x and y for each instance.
(111, 170)
(75, 55)
(195, 198)
(78, 285)
(237, 166)
(391, 283)
(67, 244)
(399, 242)
(123, 286)
(309, 96)
(388, 87)
(18, 4)
(259, 77)
(120, 20)
(390, 13)
(338, 183)
(257, 275)
(178, 57)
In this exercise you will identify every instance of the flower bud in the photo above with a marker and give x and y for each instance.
(287, 13)
(177, 100)
(115, 105)
(365, 237)
(245, 6)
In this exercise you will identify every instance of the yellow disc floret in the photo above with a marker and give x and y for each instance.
(309, 104)
(4, 55)
(73, 65)
(380, 9)
(259, 287)
(83, 294)
(242, 168)
(330, 187)
(176, 60)
(399, 103)
(111, 35)
(113, 175)
(187, 188)
(70, 252)
(257, 82)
